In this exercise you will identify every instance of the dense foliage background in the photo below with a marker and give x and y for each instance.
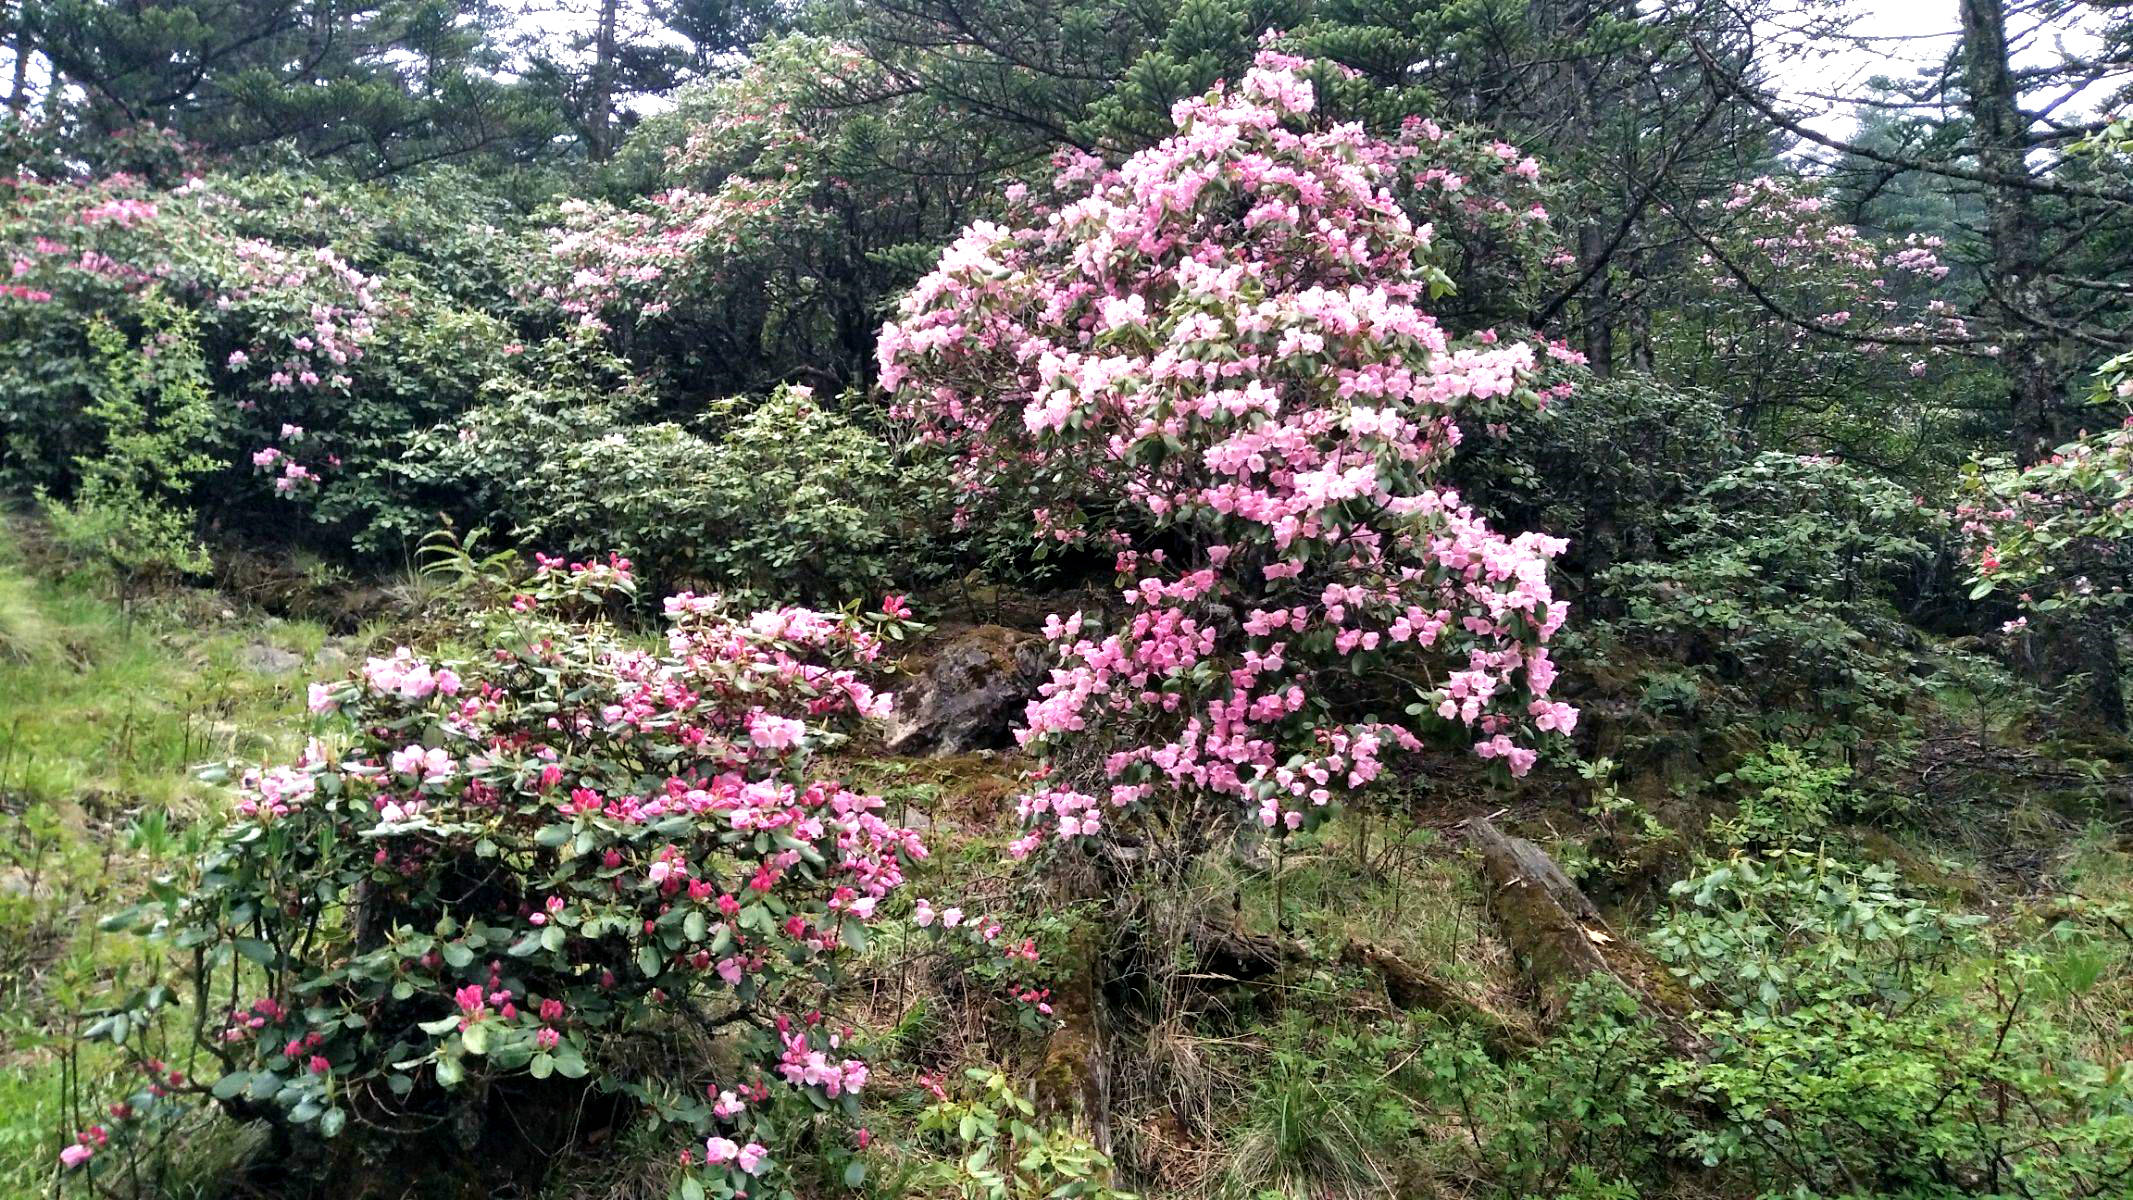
(1516, 601)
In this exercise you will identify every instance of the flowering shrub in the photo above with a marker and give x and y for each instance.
(773, 226)
(1787, 295)
(2053, 540)
(320, 367)
(509, 865)
(2056, 532)
(1213, 362)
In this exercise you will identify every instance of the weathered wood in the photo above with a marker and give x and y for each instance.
(1230, 952)
(1560, 938)
(1552, 927)
(1410, 987)
(1074, 1084)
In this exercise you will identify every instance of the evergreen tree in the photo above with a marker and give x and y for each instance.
(384, 83)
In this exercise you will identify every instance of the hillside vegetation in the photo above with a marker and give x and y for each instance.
(972, 600)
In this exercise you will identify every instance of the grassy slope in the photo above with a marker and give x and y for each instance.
(102, 714)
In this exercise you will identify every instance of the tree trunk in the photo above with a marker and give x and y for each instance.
(600, 89)
(1561, 939)
(2001, 130)
(2036, 357)
(18, 96)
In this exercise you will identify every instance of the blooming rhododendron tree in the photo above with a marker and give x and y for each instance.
(1215, 362)
(781, 215)
(1785, 296)
(508, 865)
(325, 350)
(300, 317)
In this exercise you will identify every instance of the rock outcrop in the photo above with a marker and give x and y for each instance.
(969, 695)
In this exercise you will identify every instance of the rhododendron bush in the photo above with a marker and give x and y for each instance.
(2056, 532)
(1216, 363)
(505, 866)
(780, 214)
(784, 496)
(321, 368)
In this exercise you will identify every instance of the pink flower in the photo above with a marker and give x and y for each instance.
(750, 1158)
(75, 1155)
(774, 733)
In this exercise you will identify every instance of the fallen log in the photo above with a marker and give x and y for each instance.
(1226, 951)
(1412, 988)
(1560, 938)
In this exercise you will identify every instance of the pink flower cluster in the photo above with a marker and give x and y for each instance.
(2054, 531)
(304, 314)
(1214, 359)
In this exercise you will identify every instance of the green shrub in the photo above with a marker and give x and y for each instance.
(1778, 583)
(995, 1150)
(1869, 1043)
(132, 505)
(778, 496)
(1583, 1115)
(1604, 466)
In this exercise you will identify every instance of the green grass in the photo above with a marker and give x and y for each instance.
(103, 716)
